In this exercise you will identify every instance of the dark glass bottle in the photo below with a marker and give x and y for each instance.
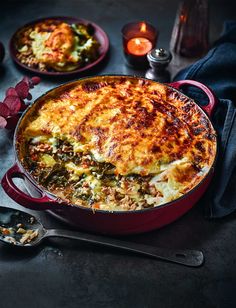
(190, 35)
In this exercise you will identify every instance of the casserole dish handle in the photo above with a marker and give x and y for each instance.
(41, 203)
(211, 96)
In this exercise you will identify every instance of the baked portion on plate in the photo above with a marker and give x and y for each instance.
(116, 143)
(59, 45)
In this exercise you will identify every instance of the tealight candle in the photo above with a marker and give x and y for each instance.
(139, 46)
(138, 39)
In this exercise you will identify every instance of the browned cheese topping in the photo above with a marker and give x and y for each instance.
(117, 143)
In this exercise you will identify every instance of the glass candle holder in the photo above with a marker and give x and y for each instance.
(138, 39)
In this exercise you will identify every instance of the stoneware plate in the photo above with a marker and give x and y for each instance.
(99, 34)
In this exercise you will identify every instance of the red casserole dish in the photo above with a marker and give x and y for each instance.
(101, 221)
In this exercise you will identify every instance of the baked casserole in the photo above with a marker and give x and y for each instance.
(116, 143)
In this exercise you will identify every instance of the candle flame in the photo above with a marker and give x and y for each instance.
(143, 27)
(137, 41)
(183, 18)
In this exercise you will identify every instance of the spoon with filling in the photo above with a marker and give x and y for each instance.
(22, 229)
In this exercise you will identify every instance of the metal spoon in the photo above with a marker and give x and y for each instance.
(22, 229)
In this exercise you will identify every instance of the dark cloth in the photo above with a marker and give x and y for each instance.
(218, 71)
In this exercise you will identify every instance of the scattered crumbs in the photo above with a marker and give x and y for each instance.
(28, 236)
(19, 234)
(51, 252)
(32, 220)
(6, 231)
(21, 231)
(10, 240)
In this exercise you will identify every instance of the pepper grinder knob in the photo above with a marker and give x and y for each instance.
(158, 60)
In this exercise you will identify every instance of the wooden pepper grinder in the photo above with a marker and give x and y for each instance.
(158, 60)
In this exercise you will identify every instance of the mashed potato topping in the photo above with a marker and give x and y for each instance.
(55, 46)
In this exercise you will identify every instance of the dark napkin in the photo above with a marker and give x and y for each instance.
(218, 71)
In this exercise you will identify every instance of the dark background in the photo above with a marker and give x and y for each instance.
(63, 273)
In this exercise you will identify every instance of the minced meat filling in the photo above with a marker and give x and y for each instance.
(79, 179)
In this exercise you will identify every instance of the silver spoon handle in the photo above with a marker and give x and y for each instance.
(193, 258)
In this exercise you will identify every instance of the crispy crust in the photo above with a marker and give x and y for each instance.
(138, 126)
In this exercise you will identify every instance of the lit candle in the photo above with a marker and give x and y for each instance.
(138, 39)
(139, 46)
